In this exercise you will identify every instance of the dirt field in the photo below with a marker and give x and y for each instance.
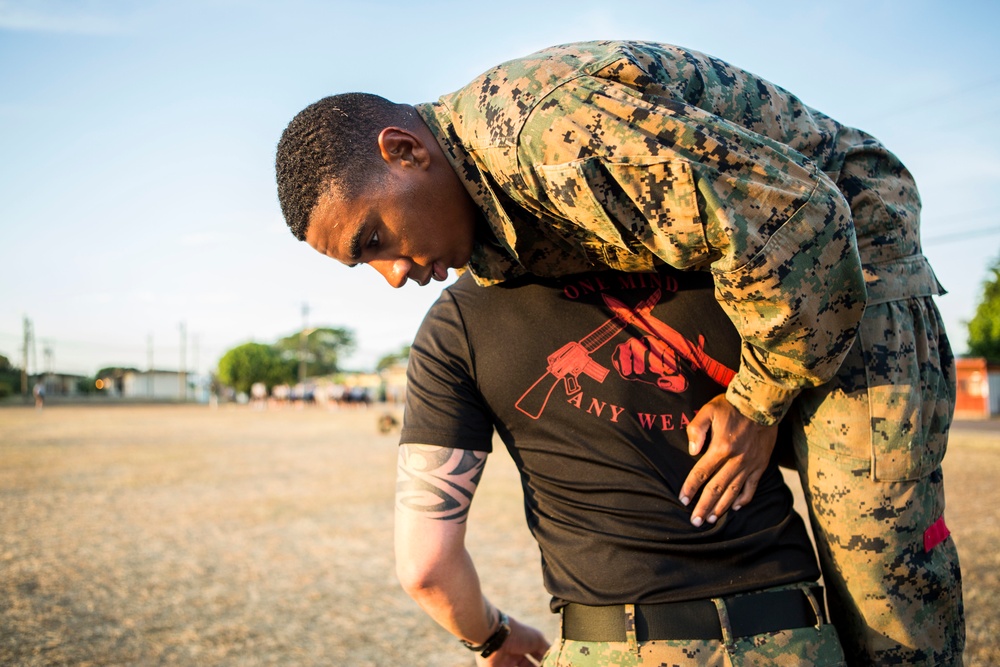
(192, 536)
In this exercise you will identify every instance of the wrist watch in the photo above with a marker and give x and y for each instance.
(496, 640)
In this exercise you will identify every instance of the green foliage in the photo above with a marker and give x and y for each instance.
(392, 358)
(324, 346)
(275, 364)
(984, 328)
(245, 364)
(10, 377)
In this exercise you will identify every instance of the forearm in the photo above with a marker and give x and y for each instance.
(434, 490)
(796, 305)
(445, 584)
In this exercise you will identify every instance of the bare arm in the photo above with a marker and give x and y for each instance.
(434, 491)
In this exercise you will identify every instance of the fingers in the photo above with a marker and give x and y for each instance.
(719, 492)
(627, 360)
(734, 460)
(749, 489)
(728, 480)
(697, 429)
(729, 489)
(700, 473)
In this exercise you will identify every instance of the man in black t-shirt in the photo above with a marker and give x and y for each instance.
(591, 381)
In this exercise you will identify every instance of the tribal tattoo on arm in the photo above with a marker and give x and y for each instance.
(438, 482)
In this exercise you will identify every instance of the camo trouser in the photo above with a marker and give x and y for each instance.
(869, 446)
(815, 646)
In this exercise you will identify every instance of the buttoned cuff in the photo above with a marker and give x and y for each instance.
(759, 400)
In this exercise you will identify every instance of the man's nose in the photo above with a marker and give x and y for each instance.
(394, 271)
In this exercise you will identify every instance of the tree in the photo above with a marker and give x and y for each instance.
(10, 377)
(324, 347)
(393, 358)
(984, 328)
(245, 364)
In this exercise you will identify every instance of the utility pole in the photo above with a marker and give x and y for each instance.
(28, 343)
(302, 343)
(24, 357)
(182, 375)
(149, 366)
(194, 358)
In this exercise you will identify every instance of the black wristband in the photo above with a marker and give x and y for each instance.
(495, 641)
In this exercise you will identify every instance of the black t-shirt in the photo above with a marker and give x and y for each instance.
(590, 382)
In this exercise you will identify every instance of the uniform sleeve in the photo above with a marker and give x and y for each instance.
(443, 404)
(699, 192)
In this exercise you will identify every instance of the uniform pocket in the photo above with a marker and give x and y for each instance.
(888, 409)
(911, 387)
(807, 647)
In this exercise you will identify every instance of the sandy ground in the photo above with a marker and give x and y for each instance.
(190, 536)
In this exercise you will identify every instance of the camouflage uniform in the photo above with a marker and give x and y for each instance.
(626, 154)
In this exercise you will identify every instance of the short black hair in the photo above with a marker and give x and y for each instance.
(332, 140)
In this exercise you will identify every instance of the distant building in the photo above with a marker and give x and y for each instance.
(61, 384)
(160, 385)
(978, 383)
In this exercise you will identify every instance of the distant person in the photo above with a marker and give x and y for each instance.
(338, 394)
(601, 373)
(280, 394)
(321, 395)
(626, 155)
(258, 395)
(39, 392)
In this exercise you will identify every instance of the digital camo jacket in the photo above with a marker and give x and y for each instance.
(627, 154)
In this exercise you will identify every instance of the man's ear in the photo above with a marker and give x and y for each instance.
(400, 147)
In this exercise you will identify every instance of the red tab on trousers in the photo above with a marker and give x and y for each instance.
(936, 534)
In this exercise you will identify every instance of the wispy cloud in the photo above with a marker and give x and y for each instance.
(62, 16)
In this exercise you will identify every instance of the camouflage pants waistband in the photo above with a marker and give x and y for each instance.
(813, 646)
(739, 615)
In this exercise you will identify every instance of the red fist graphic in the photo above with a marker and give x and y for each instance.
(649, 360)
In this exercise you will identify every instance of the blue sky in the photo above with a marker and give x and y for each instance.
(137, 145)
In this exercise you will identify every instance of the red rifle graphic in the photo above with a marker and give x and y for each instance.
(573, 358)
(693, 353)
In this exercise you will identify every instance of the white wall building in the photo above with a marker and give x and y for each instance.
(160, 386)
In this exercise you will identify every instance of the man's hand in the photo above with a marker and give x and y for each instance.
(737, 456)
(523, 641)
